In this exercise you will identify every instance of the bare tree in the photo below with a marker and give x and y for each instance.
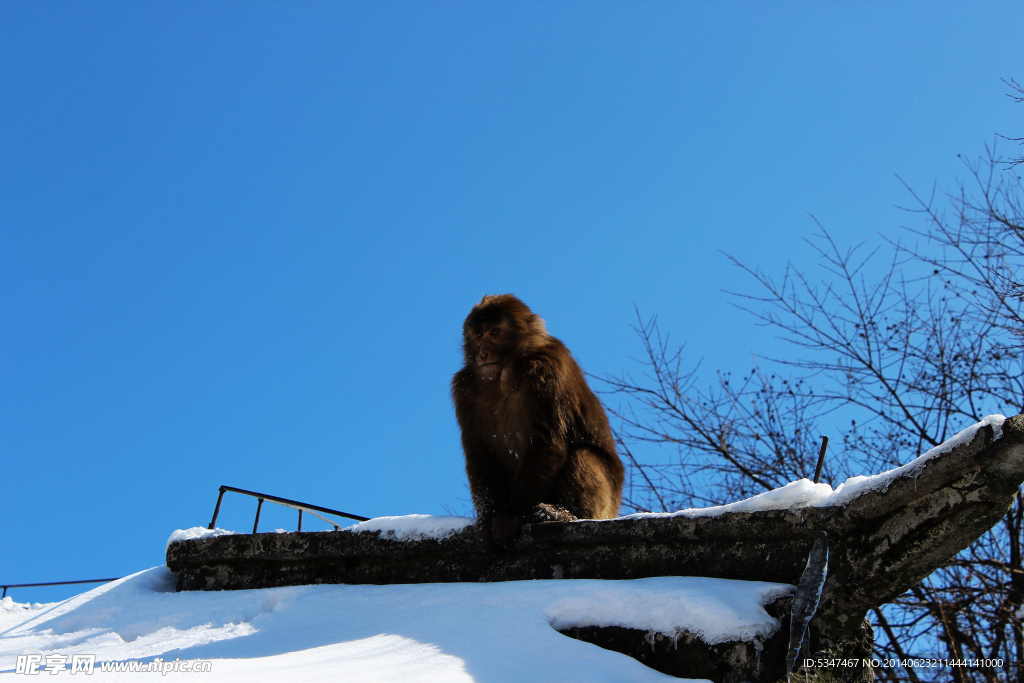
(1017, 95)
(903, 345)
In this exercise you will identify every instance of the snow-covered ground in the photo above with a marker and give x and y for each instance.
(431, 632)
(403, 633)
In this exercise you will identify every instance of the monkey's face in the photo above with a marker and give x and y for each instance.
(490, 345)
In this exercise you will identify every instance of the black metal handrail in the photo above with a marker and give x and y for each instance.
(287, 502)
(52, 583)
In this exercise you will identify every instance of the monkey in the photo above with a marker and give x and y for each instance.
(537, 442)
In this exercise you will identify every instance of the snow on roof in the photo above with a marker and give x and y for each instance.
(197, 532)
(805, 493)
(413, 527)
(400, 528)
(424, 632)
(797, 494)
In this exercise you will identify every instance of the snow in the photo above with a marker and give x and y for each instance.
(197, 532)
(401, 528)
(8, 606)
(796, 494)
(717, 610)
(414, 527)
(424, 632)
(420, 632)
(805, 493)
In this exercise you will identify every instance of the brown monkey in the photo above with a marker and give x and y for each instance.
(537, 442)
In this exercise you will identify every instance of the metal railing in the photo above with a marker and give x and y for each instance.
(52, 583)
(287, 502)
(821, 459)
(311, 509)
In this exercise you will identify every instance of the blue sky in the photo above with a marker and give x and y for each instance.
(238, 240)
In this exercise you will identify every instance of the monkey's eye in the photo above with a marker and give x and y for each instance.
(478, 334)
(496, 331)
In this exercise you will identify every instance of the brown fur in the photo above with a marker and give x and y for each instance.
(537, 442)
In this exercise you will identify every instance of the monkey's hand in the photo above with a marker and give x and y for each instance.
(506, 528)
(545, 512)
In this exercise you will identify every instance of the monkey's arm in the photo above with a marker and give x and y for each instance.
(488, 486)
(541, 464)
(546, 421)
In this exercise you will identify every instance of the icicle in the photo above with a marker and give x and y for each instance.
(805, 600)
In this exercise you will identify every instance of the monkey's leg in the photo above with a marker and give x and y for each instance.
(586, 487)
(489, 490)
